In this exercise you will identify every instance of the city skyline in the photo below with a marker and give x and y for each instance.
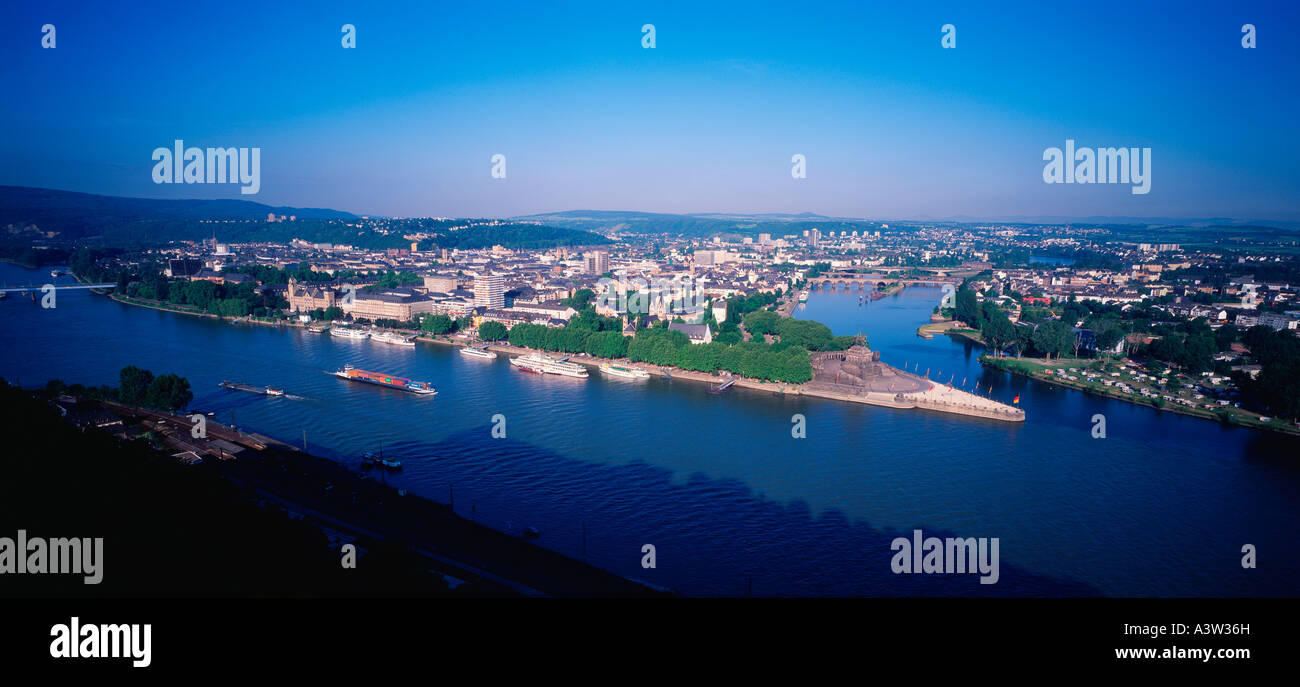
(891, 124)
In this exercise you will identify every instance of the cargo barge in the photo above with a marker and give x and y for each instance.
(385, 380)
(265, 390)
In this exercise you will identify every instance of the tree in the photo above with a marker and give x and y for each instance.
(606, 345)
(968, 308)
(1024, 337)
(169, 392)
(492, 331)
(580, 299)
(998, 330)
(760, 322)
(1053, 338)
(437, 324)
(134, 384)
(812, 335)
(1073, 311)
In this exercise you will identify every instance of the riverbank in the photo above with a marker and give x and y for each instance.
(338, 497)
(191, 310)
(927, 331)
(655, 370)
(940, 398)
(937, 397)
(1058, 373)
(15, 261)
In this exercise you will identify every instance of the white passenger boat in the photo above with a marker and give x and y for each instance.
(623, 371)
(544, 364)
(393, 338)
(349, 333)
(478, 353)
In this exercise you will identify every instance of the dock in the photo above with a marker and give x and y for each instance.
(720, 388)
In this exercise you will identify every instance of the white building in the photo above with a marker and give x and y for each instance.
(490, 291)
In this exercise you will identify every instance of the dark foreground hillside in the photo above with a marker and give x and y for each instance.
(169, 529)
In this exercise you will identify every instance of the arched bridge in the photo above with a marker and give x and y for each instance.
(868, 282)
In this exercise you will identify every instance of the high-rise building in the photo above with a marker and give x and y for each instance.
(595, 262)
(490, 291)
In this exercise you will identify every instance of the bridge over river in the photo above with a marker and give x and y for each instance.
(59, 287)
(866, 281)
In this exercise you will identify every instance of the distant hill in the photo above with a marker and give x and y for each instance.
(703, 225)
(42, 215)
(79, 215)
(698, 225)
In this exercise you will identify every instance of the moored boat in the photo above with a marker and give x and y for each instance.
(392, 338)
(544, 364)
(478, 353)
(623, 371)
(349, 333)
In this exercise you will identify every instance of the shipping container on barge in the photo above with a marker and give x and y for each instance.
(386, 380)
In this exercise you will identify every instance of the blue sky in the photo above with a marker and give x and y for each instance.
(891, 124)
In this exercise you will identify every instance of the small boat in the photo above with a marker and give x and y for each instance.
(478, 353)
(623, 371)
(274, 392)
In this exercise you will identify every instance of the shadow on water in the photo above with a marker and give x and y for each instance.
(778, 548)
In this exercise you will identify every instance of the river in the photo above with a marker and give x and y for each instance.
(732, 502)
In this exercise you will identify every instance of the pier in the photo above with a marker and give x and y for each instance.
(720, 388)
